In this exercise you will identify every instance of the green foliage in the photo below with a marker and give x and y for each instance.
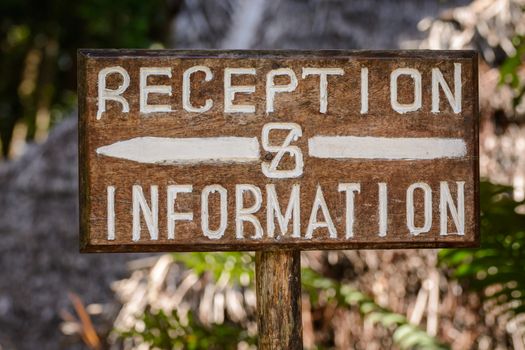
(169, 331)
(497, 269)
(405, 335)
(509, 69)
(162, 331)
(38, 44)
(239, 266)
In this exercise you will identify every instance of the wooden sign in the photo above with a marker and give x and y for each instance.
(252, 150)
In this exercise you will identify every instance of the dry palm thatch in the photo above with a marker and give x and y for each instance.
(216, 288)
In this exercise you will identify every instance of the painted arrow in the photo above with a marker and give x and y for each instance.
(385, 148)
(163, 150)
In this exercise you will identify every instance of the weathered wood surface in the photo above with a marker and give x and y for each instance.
(278, 285)
(101, 164)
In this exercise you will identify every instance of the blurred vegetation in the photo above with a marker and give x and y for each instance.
(162, 331)
(509, 70)
(38, 44)
(170, 332)
(238, 266)
(405, 335)
(497, 269)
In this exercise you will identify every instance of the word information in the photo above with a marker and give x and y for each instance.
(250, 150)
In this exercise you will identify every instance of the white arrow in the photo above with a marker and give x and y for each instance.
(386, 148)
(164, 150)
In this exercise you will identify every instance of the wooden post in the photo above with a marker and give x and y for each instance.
(278, 284)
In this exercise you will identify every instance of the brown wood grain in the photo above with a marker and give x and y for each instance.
(343, 118)
(278, 287)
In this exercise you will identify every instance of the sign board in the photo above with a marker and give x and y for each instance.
(252, 150)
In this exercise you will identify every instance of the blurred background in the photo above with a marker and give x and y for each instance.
(51, 297)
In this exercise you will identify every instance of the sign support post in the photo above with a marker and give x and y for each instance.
(278, 285)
